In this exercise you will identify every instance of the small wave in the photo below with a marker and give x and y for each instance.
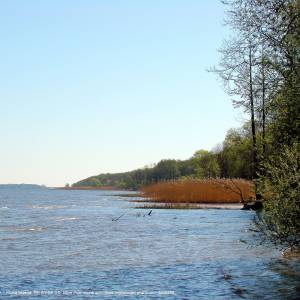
(48, 207)
(67, 219)
(30, 229)
(9, 239)
(74, 254)
(4, 207)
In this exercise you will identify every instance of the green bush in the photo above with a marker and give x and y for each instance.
(280, 188)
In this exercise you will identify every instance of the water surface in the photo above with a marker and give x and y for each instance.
(60, 241)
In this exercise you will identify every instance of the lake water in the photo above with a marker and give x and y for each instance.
(57, 244)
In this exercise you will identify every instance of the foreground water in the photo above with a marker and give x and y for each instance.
(68, 244)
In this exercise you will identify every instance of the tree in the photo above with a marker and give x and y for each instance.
(166, 169)
(186, 168)
(236, 69)
(205, 164)
(280, 185)
(235, 157)
(274, 27)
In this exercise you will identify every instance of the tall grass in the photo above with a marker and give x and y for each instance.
(200, 191)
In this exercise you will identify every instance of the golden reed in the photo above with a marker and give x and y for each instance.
(200, 191)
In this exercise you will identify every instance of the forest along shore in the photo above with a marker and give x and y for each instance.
(85, 188)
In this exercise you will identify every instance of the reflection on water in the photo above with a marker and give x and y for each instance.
(95, 241)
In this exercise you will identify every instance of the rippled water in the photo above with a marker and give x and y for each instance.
(60, 241)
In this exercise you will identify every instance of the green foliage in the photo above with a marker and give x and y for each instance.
(186, 168)
(280, 186)
(205, 164)
(166, 169)
(286, 113)
(236, 158)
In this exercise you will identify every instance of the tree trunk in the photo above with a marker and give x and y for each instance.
(263, 106)
(253, 130)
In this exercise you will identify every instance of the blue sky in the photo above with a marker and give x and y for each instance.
(92, 86)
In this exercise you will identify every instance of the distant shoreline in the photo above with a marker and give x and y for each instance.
(91, 188)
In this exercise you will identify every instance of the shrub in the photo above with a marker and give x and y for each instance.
(280, 188)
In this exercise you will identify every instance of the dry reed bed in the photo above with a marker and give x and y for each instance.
(200, 191)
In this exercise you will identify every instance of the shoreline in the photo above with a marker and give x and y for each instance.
(231, 206)
(89, 188)
(144, 203)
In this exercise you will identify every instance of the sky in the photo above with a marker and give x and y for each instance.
(96, 86)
